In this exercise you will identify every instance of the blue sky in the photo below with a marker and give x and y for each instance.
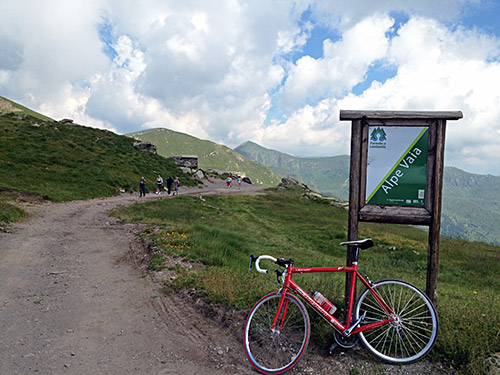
(276, 73)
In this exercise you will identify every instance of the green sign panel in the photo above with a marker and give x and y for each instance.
(396, 172)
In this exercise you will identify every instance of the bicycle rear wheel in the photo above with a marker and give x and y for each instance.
(273, 351)
(414, 331)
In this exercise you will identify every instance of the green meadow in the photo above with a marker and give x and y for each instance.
(221, 232)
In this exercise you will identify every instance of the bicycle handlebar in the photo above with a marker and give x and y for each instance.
(268, 257)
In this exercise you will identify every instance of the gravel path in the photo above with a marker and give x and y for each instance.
(72, 301)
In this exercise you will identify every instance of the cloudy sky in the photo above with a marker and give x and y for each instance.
(274, 72)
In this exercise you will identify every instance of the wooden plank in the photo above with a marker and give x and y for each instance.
(358, 115)
(402, 122)
(395, 214)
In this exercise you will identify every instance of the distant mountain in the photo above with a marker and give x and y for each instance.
(471, 202)
(328, 175)
(471, 206)
(210, 155)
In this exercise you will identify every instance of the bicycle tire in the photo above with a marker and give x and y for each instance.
(274, 352)
(411, 336)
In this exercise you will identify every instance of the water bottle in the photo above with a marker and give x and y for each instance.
(323, 302)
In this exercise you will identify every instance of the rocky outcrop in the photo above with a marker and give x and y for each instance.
(146, 146)
(309, 194)
(289, 181)
(188, 161)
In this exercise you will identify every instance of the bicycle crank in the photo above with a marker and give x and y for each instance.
(343, 341)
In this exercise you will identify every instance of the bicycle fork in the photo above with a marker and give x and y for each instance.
(280, 316)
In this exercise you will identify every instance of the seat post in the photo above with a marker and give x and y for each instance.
(356, 254)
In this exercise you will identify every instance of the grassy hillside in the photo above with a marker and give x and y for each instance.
(63, 162)
(328, 175)
(221, 232)
(210, 155)
(8, 106)
(471, 203)
(471, 206)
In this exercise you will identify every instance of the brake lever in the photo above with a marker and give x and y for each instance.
(253, 259)
(279, 274)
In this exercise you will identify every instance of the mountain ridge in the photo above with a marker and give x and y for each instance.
(471, 202)
(328, 175)
(211, 155)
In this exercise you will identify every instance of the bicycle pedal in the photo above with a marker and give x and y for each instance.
(332, 348)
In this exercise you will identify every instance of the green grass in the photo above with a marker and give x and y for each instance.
(62, 162)
(9, 212)
(222, 231)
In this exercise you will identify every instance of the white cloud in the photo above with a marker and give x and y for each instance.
(215, 69)
(343, 65)
(438, 71)
(344, 14)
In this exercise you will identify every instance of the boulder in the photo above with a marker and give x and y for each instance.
(216, 171)
(200, 175)
(289, 181)
(146, 146)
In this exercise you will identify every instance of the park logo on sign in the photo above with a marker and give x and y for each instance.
(378, 138)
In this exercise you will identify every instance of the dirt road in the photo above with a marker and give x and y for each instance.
(72, 302)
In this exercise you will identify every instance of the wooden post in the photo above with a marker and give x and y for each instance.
(435, 226)
(354, 199)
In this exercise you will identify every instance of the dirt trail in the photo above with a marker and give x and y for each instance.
(72, 302)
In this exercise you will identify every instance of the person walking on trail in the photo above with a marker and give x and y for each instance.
(142, 187)
(159, 184)
(239, 182)
(176, 186)
(170, 181)
(228, 180)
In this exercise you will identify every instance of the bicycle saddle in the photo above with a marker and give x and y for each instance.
(362, 244)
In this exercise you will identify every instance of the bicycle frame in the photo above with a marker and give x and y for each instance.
(346, 329)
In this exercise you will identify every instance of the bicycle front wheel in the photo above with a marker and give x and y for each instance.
(414, 330)
(273, 350)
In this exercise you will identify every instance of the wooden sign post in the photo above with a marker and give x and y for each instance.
(396, 174)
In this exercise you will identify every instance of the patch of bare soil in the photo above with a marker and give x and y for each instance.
(75, 298)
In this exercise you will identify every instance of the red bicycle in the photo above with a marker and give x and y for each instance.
(394, 320)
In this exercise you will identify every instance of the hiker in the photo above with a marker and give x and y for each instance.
(228, 180)
(159, 184)
(142, 187)
(239, 182)
(170, 181)
(176, 186)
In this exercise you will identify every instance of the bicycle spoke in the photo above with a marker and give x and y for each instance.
(411, 334)
(276, 350)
